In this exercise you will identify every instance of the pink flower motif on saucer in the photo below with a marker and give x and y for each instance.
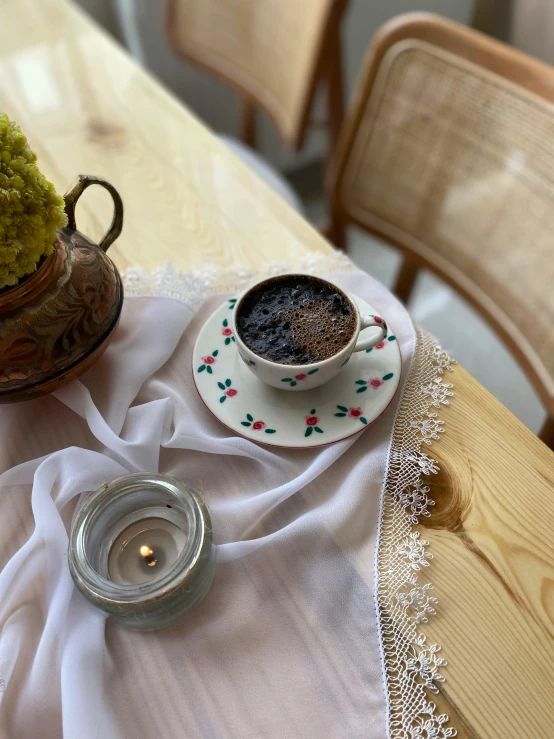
(343, 411)
(207, 362)
(373, 382)
(228, 391)
(380, 345)
(312, 422)
(227, 332)
(257, 425)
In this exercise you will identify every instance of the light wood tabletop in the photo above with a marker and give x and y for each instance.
(87, 108)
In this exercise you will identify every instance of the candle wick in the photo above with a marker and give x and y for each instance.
(148, 555)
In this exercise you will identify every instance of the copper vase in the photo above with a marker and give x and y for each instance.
(57, 322)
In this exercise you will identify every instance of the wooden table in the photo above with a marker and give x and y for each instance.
(87, 108)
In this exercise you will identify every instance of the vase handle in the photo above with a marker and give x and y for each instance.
(72, 196)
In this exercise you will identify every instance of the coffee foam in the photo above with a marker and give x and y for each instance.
(319, 329)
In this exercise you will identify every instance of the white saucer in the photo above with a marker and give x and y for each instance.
(346, 405)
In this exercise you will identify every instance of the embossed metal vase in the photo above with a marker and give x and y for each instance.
(57, 322)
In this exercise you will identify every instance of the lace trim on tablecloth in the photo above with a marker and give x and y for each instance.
(192, 288)
(404, 601)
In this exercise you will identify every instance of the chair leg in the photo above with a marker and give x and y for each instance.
(335, 89)
(335, 232)
(248, 123)
(546, 433)
(405, 280)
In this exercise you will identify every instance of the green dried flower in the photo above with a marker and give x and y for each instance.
(30, 208)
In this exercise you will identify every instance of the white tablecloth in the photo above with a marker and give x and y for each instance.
(287, 642)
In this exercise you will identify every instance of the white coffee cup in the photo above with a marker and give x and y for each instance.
(296, 377)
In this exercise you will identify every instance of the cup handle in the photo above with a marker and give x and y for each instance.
(72, 196)
(368, 322)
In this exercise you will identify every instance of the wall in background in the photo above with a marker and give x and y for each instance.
(532, 28)
(141, 25)
(526, 24)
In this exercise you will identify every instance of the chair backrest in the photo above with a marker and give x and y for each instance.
(448, 153)
(271, 51)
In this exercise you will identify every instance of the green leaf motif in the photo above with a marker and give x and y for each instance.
(221, 386)
(369, 350)
(319, 431)
(245, 423)
(388, 377)
(225, 323)
(342, 408)
(201, 368)
(223, 399)
(363, 420)
(361, 382)
(209, 370)
(293, 383)
(312, 411)
(227, 341)
(215, 352)
(308, 431)
(312, 372)
(227, 382)
(340, 415)
(249, 417)
(362, 389)
(252, 363)
(286, 379)
(270, 431)
(232, 338)
(392, 338)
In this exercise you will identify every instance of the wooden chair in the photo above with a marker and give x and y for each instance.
(273, 52)
(448, 154)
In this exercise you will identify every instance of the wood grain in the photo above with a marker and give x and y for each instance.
(87, 107)
(491, 534)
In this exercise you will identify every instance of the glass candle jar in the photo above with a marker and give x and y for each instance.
(141, 549)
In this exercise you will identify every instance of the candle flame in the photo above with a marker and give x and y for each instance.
(148, 555)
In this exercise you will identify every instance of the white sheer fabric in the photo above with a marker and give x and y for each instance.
(285, 644)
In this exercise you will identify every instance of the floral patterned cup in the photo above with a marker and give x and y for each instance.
(307, 376)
